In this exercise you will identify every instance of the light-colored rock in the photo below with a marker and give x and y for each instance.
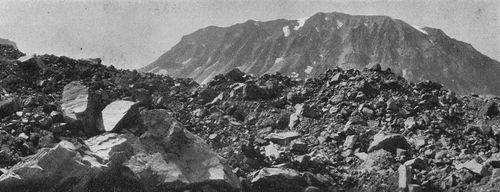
(120, 115)
(405, 176)
(350, 141)
(388, 142)
(474, 166)
(283, 138)
(378, 159)
(169, 157)
(271, 151)
(77, 105)
(49, 168)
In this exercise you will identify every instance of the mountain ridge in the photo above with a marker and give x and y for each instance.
(307, 47)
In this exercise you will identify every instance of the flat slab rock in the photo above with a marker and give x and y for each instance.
(389, 143)
(283, 138)
(118, 114)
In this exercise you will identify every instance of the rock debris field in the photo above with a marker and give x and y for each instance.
(78, 125)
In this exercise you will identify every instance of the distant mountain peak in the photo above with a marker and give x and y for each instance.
(309, 46)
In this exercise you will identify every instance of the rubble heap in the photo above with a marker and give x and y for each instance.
(346, 130)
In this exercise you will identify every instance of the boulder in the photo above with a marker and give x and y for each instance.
(474, 166)
(236, 75)
(350, 141)
(9, 106)
(405, 176)
(51, 169)
(283, 138)
(307, 111)
(120, 115)
(79, 107)
(30, 63)
(278, 179)
(389, 143)
(169, 158)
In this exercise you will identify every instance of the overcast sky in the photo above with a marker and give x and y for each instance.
(131, 34)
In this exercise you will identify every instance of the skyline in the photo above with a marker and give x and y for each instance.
(132, 34)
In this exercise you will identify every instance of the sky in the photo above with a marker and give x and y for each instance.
(130, 34)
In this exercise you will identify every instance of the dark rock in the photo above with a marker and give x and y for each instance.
(278, 179)
(9, 106)
(236, 75)
(389, 142)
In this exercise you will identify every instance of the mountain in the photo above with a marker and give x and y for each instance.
(8, 42)
(8, 50)
(309, 46)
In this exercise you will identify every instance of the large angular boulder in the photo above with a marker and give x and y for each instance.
(170, 158)
(79, 107)
(278, 179)
(389, 142)
(121, 115)
(30, 64)
(50, 170)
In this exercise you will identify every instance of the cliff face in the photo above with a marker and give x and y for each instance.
(309, 46)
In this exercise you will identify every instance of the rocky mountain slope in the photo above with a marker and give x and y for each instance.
(77, 125)
(307, 47)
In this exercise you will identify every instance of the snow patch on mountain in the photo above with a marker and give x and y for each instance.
(186, 61)
(308, 70)
(420, 29)
(278, 60)
(286, 31)
(301, 22)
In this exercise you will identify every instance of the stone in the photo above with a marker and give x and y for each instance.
(278, 179)
(375, 67)
(489, 109)
(388, 142)
(283, 138)
(363, 156)
(30, 63)
(50, 168)
(299, 146)
(416, 163)
(112, 147)
(120, 115)
(9, 106)
(294, 120)
(170, 157)
(378, 159)
(410, 123)
(474, 166)
(405, 176)
(350, 141)
(336, 78)
(78, 106)
(307, 111)
(236, 75)
(392, 105)
(271, 151)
